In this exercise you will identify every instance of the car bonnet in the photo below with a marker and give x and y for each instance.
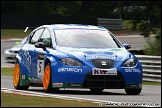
(117, 54)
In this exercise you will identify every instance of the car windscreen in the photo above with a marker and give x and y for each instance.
(83, 38)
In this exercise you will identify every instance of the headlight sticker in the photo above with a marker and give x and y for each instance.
(130, 63)
(70, 62)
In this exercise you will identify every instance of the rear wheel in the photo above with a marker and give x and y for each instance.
(96, 90)
(16, 78)
(47, 80)
(133, 91)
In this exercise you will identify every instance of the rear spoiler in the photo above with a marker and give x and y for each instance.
(28, 28)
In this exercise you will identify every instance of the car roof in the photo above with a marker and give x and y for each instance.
(75, 26)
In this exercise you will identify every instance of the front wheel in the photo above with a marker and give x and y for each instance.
(47, 80)
(16, 78)
(133, 91)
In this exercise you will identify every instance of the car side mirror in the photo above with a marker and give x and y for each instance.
(40, 45)
(127, 46)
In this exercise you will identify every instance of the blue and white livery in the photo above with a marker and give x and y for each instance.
(76, 56)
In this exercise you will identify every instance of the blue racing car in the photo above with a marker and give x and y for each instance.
(76, 56)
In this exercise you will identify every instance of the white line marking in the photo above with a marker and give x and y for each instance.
(49, 95)
(62, 97)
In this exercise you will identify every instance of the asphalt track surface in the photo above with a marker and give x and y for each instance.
(149, 94)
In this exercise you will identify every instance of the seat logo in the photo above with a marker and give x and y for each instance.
(103, 63)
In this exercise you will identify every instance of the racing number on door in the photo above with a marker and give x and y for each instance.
(40, 67)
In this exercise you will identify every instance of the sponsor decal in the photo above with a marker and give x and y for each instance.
(115, 49)
(29, 78)
(73, 84)
(57, 84)
(23, 76)
(34, 79)
(102, 57)
(59, 32)
(99, 52)
(26, 59)
(69, 70)
(118, 50)
(132, 70)
(96, 71)
(132, 85)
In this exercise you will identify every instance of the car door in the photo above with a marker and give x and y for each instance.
(46, 39)
(33, 52)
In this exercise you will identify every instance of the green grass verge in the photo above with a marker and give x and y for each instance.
(19, 33)
(9, 72)
(14, 33)
(128, 24)
(16, 100)
(151, 83)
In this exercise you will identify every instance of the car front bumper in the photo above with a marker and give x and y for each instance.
(10, 57)
(63, 78)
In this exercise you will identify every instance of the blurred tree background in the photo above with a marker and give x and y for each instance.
(144, 16)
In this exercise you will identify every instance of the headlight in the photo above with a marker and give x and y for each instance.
(11, 51)
(130, 63)
(70, 62)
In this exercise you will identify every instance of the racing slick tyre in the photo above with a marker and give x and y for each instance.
(133, 91)
(16, 78)
(96, 90)
(47, 80)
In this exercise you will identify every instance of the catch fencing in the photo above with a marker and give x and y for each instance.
(151, 67)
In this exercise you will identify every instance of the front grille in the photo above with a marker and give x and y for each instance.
(103, 63)
(103, 81)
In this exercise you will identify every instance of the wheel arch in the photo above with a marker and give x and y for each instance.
(23, 77)
(18, 59)
(47, 61)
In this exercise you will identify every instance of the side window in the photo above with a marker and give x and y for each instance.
(46, 38)
(36, 36)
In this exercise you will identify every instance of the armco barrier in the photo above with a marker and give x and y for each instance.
(111, 24)
(151, 67)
